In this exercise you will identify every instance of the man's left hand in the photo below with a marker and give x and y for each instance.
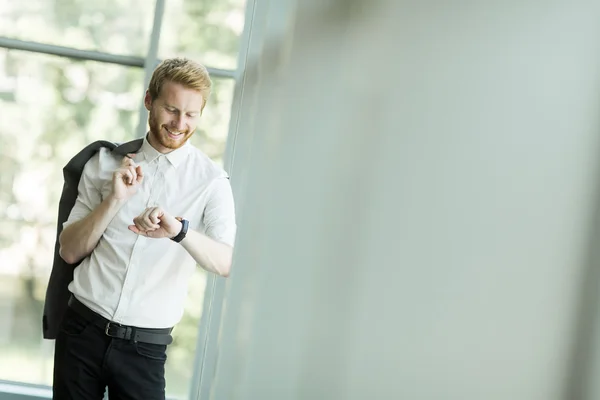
(154, 222)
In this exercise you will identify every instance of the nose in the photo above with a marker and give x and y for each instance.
(179, 123)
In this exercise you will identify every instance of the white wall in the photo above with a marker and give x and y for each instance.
(418, 206)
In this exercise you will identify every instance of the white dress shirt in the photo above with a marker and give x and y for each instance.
(139, 281)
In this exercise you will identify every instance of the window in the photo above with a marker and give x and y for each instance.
(90, 25)
(52, 106)
(205, 30)
(211, 134)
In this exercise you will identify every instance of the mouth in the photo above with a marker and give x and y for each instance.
(174, 134)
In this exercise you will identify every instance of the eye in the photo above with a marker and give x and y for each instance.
(192, 115)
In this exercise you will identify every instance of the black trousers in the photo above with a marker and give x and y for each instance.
(86, 362)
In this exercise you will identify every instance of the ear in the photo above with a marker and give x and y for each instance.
(148, 100)
(203, 105)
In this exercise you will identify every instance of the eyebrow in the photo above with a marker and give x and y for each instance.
(175, 108)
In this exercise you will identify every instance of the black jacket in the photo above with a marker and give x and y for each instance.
(57, 294)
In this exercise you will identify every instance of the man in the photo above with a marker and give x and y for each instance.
(140, 225)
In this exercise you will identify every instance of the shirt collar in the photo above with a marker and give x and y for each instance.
(175, 157)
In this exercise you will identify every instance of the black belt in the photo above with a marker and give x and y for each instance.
(115, 330)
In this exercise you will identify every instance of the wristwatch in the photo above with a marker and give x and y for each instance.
(184, 228)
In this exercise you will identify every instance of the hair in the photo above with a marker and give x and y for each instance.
(183, 71)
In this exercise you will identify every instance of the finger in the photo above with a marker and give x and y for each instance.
(146, 214)
(140, 174)
(133, 172)
(135, 230)
(126, 174)
(148, 234)
(139, 224)
(144, 223)
(143, 227)
(155, 215)
(126, 162)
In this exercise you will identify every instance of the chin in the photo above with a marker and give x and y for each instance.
(171, 143)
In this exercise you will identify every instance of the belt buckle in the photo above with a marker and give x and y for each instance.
(107, 330)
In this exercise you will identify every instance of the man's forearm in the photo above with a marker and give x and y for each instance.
(79, 239)
(208, 253)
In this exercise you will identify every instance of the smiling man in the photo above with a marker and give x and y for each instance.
(140, 226)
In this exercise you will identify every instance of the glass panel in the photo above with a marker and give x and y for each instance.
(211, 134)
(50, 107)
(210, 137)
(207, 31)
(105, 25)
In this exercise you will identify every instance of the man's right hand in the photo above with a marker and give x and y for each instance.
(126, 179)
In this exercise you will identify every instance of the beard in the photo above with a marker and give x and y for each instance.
(160, 136)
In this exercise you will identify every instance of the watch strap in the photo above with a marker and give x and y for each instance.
(184, 228)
